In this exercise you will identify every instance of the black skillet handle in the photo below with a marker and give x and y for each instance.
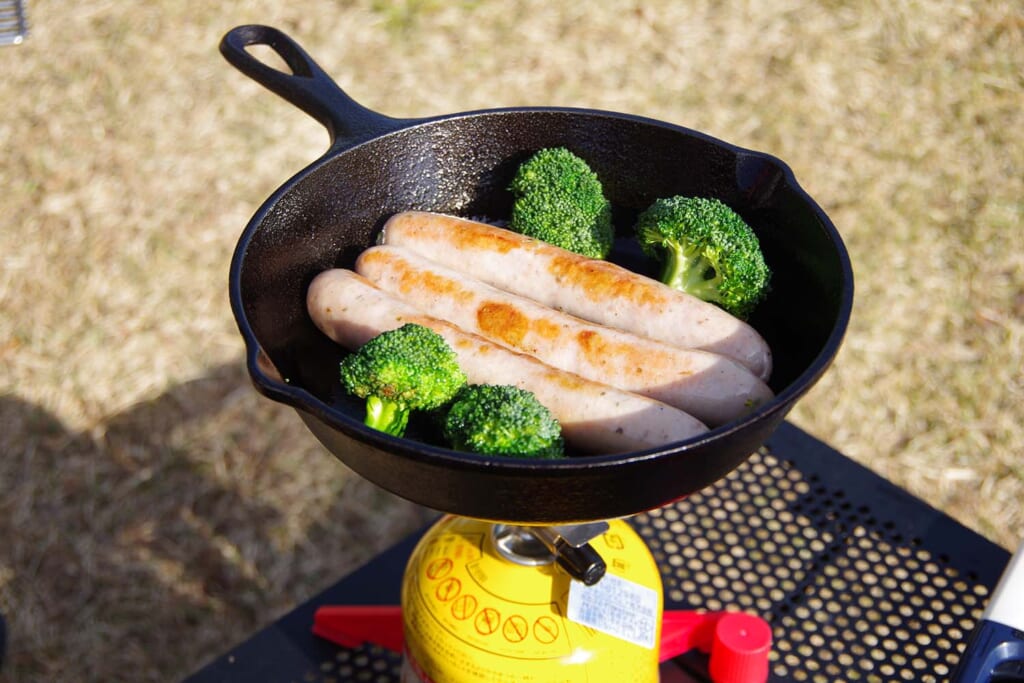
(308, 87)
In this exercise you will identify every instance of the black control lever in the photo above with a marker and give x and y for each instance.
(572, 550)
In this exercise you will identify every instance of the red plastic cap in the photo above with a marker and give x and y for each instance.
(740, 649)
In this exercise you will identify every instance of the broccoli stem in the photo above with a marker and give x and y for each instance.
(390, 417)
(690, 273)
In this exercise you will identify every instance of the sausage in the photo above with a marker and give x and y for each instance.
(595, 418)
(592, 289)
(711, 387)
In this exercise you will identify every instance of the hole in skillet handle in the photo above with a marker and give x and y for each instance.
(234, 46)
(308, 86)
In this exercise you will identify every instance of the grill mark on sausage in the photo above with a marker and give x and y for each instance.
(503, 322)
(599, 283)
(469, 236)
(509, 324)
(410, 279)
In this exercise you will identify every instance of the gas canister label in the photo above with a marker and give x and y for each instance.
(617, 607)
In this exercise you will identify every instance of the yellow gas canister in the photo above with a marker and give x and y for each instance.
(478, 608)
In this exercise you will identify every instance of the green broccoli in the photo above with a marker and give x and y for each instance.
(500, 419)
(559, 200)
(401, 370)
(707, 250)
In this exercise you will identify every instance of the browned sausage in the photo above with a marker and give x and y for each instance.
(711, 387)
(595, 417)
(592, 289)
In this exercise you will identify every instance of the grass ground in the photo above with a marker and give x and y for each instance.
(154, 509)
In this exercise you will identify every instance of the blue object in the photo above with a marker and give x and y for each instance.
(995, 653)
(995, 649)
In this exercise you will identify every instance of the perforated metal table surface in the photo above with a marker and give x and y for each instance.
(859, 580)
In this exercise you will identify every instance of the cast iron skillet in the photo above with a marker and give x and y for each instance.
(461, 164)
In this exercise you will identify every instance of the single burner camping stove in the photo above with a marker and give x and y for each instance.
(485, 601)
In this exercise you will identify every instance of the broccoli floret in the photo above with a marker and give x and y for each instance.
(707, 250)
(559, 200)
(401, 370)
(499, 419)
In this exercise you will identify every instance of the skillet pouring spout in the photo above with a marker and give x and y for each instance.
(461, 164)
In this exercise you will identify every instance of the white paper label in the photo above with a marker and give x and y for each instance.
(617, 607)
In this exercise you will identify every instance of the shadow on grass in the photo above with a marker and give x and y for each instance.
(147, 545)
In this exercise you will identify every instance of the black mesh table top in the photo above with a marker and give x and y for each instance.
(859, 580)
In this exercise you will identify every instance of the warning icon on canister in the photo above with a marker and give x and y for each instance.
(464, 607)
(487, 621)
(515, 629)
(545, 630)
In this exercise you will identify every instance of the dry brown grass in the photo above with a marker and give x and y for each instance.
(155, 510)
